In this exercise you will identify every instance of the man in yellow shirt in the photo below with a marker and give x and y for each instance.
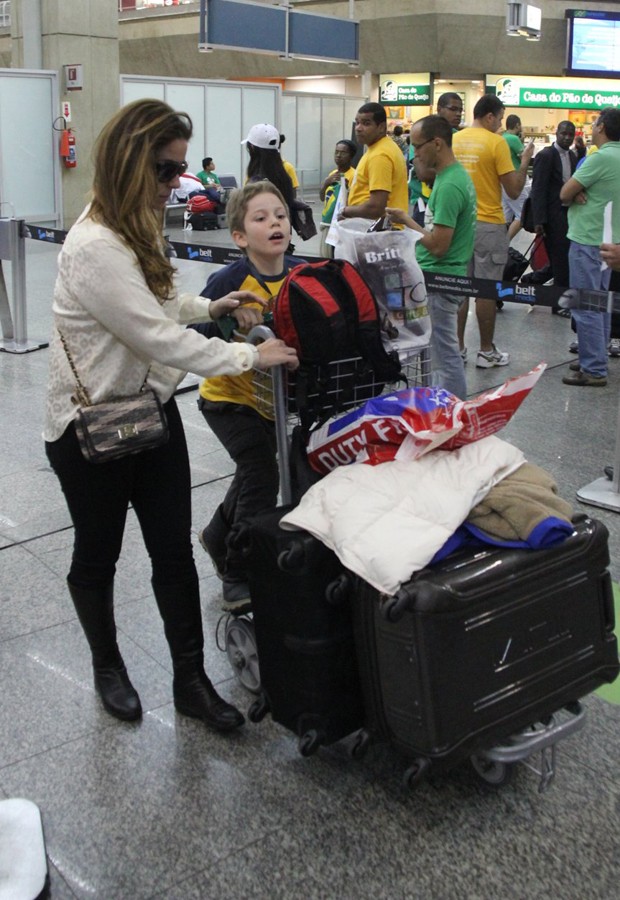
(486, 157)
(381, 175)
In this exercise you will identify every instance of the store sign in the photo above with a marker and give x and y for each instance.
(513, 93)
(390, 92)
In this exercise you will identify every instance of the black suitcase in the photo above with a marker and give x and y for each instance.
(516, 265)
(301, 610)
(483, 645)
(204, 221)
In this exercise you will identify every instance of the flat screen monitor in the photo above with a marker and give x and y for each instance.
(593, 43)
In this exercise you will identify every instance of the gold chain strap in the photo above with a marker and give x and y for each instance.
(82, 394)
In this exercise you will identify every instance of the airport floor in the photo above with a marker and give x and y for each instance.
(164, 808)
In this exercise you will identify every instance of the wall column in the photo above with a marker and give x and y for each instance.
(73, 32)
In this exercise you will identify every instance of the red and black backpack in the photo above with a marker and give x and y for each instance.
(329, 314)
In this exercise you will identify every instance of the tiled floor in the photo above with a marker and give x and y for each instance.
(164, 808)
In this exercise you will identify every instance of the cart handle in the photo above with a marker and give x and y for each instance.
(257, 335)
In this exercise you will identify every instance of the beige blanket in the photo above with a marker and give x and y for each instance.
(518, 503)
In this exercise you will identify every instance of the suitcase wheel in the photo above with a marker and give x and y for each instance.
(337, 591)
(491, 773)
(394, 608)
(242, 653)
(310, 742)
(416, 772)
(259, 709)
(291, 558)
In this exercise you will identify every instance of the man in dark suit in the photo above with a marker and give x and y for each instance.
(553, 166)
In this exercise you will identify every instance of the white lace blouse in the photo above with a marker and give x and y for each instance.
(116, 328)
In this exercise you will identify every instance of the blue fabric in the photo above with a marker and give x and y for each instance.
(548, 533)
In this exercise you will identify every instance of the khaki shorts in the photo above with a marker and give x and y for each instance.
(490, 251)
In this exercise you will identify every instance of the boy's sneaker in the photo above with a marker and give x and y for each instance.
(218, 559)
(236, 597)
(573, 347)
(463, 353)
(494, 357)
(613, 348)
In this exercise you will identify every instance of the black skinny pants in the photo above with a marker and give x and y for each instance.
(158, 486)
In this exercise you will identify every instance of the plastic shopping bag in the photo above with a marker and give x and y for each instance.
(387, 261)
(406, 424)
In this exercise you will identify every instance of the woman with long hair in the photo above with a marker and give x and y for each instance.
(263, 143)
(119, 324)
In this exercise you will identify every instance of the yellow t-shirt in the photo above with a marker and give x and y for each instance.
(485, 156)
(290, 171)
(381, 168)
(241, 388)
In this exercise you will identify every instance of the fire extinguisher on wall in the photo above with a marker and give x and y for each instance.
(67, 148)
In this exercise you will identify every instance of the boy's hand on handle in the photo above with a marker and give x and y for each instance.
(233, 301)
(274, 352)
(247, 317)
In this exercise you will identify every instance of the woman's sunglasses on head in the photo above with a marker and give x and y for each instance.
(167, 169)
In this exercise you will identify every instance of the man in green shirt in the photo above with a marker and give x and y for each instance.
(512, 136)
(593, 193)
(446, 244)
(514, 208)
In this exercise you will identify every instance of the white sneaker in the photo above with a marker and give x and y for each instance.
(493, 358)
(613, 348)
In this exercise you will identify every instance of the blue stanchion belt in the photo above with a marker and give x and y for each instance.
(508, 291)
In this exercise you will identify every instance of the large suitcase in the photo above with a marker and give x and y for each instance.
(483, 645)
(301, 610)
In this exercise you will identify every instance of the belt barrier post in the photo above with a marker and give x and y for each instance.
(13, 248)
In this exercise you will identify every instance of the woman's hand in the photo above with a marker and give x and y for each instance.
(234, 301)
(274, 352)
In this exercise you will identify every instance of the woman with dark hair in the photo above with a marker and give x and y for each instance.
(120, 325)
(263, 143)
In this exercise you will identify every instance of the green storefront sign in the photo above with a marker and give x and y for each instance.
(393, 94)
(559, 98)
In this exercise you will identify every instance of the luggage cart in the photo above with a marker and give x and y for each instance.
(532, 744)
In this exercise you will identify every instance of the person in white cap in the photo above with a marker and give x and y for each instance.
(263, 143)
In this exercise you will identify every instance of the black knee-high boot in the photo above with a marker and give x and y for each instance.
(194, 695)
(95, 609)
